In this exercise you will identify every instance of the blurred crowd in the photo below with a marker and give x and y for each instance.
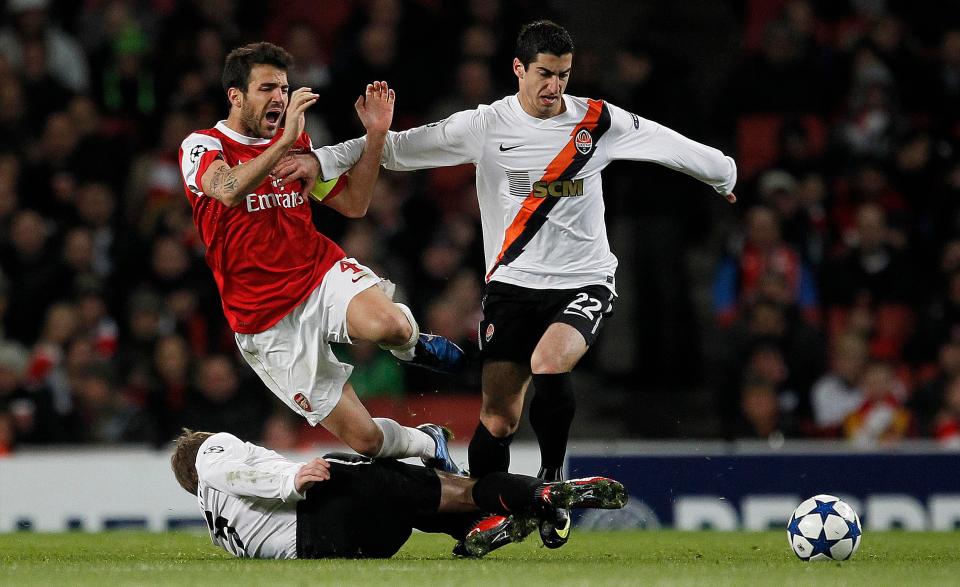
(835, 281)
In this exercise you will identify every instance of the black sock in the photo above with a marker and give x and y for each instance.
(487, 453)
(505, 493)
(551, 413)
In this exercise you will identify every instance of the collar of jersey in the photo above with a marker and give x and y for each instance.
(242, 139)
(553, 120)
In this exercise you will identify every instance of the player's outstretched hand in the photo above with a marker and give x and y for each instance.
(300, 100)
(310, 473)
(293, 167)
(375, 107)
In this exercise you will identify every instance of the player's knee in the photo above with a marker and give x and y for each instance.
(500, 425)
(545, 364)
(395, 327)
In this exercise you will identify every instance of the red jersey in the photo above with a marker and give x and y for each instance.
(265, 254)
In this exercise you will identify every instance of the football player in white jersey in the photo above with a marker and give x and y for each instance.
(549, 269)
(259, 504)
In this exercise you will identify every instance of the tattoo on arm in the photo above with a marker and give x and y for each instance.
(224, 182)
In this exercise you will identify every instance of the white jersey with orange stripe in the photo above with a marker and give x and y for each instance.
(538, 180)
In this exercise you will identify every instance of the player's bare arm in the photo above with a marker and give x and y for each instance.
(231, 184)
(375, 110)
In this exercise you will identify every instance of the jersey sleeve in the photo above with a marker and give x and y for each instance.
(197, 152)
(638, 139)
(239, 468)
(335, 160)
(454, 140)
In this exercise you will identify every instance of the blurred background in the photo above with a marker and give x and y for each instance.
(825, 304)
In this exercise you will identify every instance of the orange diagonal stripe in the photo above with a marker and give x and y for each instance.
(563, 160)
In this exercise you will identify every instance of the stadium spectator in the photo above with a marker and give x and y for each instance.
(169, 386)
(763, 266)
(219, 400)
(261, 505)
(63, 57)
(836, 394)
(32, 418)
(102, 414)
(947, 425)
(880, 419)
(760, 413)
(929, 398)
(873, 267)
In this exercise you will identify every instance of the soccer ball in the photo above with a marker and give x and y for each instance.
(824, 527)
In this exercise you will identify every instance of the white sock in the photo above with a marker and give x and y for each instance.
(400, 442)
(405, 351)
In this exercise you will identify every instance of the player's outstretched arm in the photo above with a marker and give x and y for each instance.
(231, 184)
(375, 109)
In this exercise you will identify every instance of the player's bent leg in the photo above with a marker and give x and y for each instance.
(382, 437)
(351, 422)
(373, 316)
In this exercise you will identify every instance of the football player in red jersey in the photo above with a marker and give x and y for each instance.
(287, 290)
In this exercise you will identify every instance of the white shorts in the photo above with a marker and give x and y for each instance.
(294, 358)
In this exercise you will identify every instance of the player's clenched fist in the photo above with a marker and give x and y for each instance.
(310, 473)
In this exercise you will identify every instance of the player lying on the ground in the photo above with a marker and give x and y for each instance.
(259, 504)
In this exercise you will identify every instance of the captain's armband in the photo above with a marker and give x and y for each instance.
(327, 189)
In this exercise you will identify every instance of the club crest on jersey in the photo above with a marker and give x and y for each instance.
(302, 401)
(583, 141)
(489, 333)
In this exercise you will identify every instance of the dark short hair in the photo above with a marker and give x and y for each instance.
(236, 68)
(542, 36)
(183, 461)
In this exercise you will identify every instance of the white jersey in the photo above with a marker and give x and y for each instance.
(248, 497)
(538, 180)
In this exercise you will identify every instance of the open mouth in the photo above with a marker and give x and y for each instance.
(273, 116)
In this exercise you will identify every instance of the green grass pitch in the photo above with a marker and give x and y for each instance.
(590, 558)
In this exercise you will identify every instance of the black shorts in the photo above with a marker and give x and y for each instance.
(367, 509)
(515, 318)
